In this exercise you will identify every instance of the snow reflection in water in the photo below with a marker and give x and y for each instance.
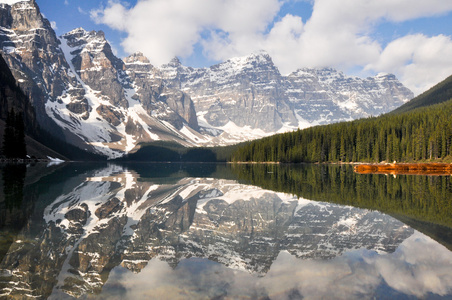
(117, 235)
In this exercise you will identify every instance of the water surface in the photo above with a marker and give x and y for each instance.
(206, 231)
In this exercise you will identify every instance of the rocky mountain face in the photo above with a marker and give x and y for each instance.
(245, 91)
(83, 93)
(31, 49)
(12, 98)
(111, 218)
(250, 92)
(323, 96)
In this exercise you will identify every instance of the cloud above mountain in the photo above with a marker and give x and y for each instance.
(341, 34)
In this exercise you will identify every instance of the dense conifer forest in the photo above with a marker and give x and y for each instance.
(421, 131)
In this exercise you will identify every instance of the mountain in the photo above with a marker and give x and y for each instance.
(248, 97)
(323, 96)
(439, 93)
(84, 94)
(13, 98)
(418, 131)
(241, 97)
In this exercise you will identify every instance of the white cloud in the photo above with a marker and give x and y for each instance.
(418, 60)
(115, 15)
(82, 11)
(164, 28)
(338, 34)
(53, 25)
(414, 271)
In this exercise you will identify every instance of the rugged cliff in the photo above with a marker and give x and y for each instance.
(86, 95)
(82, 92)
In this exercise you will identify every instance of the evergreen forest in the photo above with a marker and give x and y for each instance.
(420, 132)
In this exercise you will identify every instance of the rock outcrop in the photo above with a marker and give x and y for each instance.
(83, 93)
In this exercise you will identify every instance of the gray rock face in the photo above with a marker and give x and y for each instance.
(323, 96)
(250, 91)
(246, 91)
(31, 49)
(82, 92)
(96, 65)
(155, 96)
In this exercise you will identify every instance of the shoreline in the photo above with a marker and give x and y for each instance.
(27, 160)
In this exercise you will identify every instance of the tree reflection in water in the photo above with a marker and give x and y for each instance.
(150, 230)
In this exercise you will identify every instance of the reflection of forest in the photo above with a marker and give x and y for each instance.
(13, 184)
(11, 196)
(423, 202)
(84, 226)
(20, 188)
(78, 219)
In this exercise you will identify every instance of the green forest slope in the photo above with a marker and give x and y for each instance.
(440, 93)
(420, 130)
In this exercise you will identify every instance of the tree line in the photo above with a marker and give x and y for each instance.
(421, 134)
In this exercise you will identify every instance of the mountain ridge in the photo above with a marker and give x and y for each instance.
(421, 133)
(94, 100)
(439, 93)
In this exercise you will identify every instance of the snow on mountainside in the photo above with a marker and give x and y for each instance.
(322, 96)
(110, 105)
(83, 93)
(250, 92)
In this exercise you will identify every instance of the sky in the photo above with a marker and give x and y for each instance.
(409, 38)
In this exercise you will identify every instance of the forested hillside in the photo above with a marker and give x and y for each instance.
(440, 93)
(418, 134)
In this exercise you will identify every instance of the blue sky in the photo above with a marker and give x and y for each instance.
(410, 38)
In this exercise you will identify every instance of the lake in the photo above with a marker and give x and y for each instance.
(214, 231)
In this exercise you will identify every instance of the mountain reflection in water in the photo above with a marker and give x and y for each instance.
(181, 231)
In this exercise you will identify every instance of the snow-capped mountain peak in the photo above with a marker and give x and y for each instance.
(96, 101)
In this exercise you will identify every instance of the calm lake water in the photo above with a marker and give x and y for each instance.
(187, 231)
